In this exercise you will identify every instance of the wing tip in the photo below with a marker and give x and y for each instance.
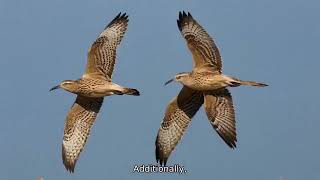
(232, 144)
(183, 18)
(160, 157)
(231, 141)
(163, 162)
(121, 17)
(68, 164)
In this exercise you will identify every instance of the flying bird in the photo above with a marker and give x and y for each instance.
(91, 88)
(204, 85)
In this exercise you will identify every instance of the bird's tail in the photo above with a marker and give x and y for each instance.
(234, 82)
(252, 83)
(130, 91)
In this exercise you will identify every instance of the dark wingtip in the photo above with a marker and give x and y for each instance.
(159, 158)
(67, 164)
(124, 16)
(184, 13)
(231, 144)
(119, 17)
(229, 140)
(179, 21)
(70, 169)
(163, 162)
(183, 17)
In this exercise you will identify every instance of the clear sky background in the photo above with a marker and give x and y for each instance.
(276, 42)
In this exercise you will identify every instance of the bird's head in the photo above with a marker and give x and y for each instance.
(180, 77)
(68, 85)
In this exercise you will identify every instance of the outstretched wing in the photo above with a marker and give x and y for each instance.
(219, 107)
(102, 54)
(175, 122)
(77, 128)
(204, 51)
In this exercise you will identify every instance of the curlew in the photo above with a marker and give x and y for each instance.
(204, 85)
(91, 88)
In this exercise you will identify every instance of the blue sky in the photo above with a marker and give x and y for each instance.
(276, 42)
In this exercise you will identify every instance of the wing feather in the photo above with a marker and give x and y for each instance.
(77, 128)
(220, 111)
(102, 54)
(204, 50)
(175, 122)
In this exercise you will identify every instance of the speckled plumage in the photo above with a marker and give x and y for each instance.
(91, 88)
(176, 120)
(204, 85)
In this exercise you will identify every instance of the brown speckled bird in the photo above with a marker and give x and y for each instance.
(204, 85)
(95, 83)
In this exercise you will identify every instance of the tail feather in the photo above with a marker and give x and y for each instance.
(252, 83)
(130, 91)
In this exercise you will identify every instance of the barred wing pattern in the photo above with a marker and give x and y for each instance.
(204, 51)
(102, 54)
(77, 128)
(220, 111)
(175, 122)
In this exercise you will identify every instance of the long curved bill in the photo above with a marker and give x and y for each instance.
(169, 81)
(55, 87)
